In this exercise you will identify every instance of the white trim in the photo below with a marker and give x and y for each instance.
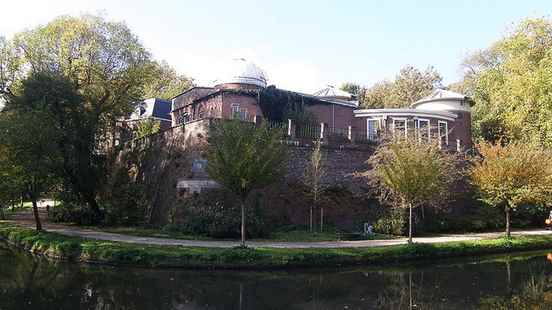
(405, 120)
(439, 131)
(377, 123)
(378, 113)
(428, 129)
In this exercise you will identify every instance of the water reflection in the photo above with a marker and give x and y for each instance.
(516, 282)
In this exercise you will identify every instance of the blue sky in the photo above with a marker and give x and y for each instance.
(302, 45)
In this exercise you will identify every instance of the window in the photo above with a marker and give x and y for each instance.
(183, 118)
(443, 133)
(399, 128)
(372, 129)
(237, 112)
(424, 130)
(235, 108)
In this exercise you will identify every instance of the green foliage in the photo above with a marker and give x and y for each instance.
(164, 82)
(75, 213)
(243, 157)
(393, 222)
(70, 248)
(409, 85)
(508, 176)
(216, 215)
(410, 174)
(280, 105)
(147, 127)
(510, 83)
(351, 88)
(88, 71)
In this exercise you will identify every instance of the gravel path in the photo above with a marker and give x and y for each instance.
(26, 220)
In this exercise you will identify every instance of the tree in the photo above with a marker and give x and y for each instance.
(411, 174)
(242, 158)
(165, 82)
(351, 88)
(147, 127)
(313, 180)
(511, 175)
(409, 85)
(105, 64)
(31, 153)
(509, 82)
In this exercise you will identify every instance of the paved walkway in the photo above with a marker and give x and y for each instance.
(26, 220)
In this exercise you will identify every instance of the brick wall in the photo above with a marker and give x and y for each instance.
(332, 115)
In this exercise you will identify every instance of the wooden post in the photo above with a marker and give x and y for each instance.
(350, 133)
(440, 143)
(458, 146)
(321, 131)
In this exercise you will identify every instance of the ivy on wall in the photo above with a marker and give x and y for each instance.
(279, 105)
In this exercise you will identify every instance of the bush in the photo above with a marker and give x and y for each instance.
(124, 201)
(393, 222)
(216, 215)
(69, 212)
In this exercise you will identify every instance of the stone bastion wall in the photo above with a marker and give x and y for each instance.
(165, 161)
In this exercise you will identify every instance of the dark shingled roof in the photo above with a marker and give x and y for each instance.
(153, 107)
(162, 109)
(191, 95)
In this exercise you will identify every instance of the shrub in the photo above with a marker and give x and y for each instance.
(393, 222)
(215, 214)
(70, 212)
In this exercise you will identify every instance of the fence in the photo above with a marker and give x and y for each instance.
(311, 131)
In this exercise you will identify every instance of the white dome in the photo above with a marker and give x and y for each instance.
(242, 71)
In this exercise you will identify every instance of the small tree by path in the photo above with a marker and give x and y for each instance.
(243, 157)
(411, 174)
(31, 153)
(313, 180)
(511, 175)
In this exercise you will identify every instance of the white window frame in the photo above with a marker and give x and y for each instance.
(376, 122)
(419, 129)
(446, 135)
(402, 119)
(235, 110)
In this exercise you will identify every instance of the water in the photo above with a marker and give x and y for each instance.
(502, 282)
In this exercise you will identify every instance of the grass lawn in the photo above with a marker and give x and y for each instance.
(282, 236)
(58, 246)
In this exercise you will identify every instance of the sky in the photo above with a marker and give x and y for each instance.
(301, 45)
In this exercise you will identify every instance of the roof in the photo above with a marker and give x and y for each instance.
(331, 91)
(152, 108)
(442, 94)
(189, 96)
(242, 71)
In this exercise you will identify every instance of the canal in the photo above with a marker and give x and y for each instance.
(520, 281)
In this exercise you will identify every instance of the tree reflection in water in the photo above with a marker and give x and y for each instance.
(516, 282)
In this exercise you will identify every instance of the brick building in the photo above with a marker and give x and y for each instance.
(444, 115)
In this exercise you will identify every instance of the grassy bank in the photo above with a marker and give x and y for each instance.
(278, 236)
(76, 249)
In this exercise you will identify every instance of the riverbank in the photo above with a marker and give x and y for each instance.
(76, 249)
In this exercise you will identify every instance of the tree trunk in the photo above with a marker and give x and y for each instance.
(36, 215)
(507, 211)
(243, 224)
(93, 204)
(311, 218)
(410, 223)
(321, 219)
